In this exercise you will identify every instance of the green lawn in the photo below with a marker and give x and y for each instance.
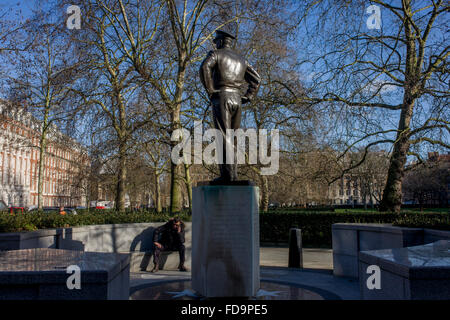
(414, 210)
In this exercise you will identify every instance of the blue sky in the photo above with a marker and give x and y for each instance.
(21, 9)
(24, 7)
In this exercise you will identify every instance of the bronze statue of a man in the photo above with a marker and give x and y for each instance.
(223, 73)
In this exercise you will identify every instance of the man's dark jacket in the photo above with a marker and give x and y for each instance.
(167, 236)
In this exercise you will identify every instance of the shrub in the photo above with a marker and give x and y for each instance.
(274, 225)
(432, 221)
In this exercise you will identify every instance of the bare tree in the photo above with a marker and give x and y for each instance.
(182, 30)
(376, 77)
(39, 80)
(156, 155)
(120, 109)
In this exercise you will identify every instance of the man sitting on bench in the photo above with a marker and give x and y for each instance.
(169, 237)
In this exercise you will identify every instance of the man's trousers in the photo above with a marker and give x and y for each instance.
(157, 252)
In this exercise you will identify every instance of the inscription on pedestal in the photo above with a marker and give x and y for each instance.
(225, 241)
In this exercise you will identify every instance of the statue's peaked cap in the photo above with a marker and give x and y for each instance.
(224, 34)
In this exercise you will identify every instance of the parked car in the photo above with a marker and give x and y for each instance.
(45, 209)
(102, 204)
(70, 210)
(146, 207)
(14, 210)
(274, 205)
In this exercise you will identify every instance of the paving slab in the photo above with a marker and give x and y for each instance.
(313, 258)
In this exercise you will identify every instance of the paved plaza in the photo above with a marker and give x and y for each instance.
(316, 275)
(312, 258)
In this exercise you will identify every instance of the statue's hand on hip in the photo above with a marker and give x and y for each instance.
(245, 100)
(212, 93)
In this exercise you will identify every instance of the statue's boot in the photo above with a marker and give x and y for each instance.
(219, 180)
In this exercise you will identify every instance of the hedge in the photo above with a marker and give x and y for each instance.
(47, 220)
(274, 225)
(316, 226)
(431, 221)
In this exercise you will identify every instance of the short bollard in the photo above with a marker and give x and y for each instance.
(295, 248)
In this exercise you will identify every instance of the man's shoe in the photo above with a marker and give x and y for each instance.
(182, 268)
(155, 269)
(218, 181)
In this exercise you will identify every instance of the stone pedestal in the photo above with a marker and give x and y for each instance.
(225, 241)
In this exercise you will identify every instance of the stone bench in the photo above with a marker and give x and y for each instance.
(41, 274)
(418, 272)
(47, 238)
(135, 239)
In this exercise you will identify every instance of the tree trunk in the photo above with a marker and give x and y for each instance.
(175, 170)
(42, 147)
(264, 194)
(175, 175)
(365, 199)
(43, 143)
(122, 174)
(175, 192)
(392, 194)
(122, 165)
(88, 198)
(188, 185)
(157, 193)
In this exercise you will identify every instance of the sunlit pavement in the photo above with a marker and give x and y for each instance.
(312, 258)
